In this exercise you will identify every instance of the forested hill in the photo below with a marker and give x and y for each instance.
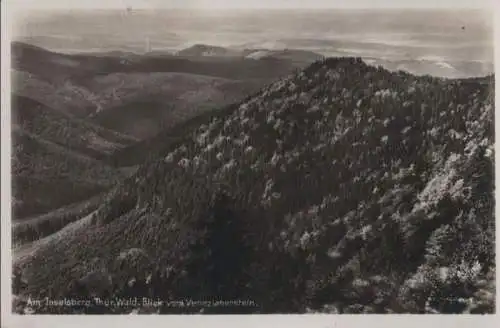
(342, 188)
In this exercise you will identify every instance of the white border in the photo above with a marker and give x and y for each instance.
(6, 266)
(10, 320)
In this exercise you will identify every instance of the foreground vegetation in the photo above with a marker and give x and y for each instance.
(344, 188)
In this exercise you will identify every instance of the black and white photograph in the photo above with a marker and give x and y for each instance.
(250, 157)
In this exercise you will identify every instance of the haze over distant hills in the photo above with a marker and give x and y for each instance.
(393, 37)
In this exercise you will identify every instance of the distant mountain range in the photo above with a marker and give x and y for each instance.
(207, 50)
(89, 83)
(297, 56)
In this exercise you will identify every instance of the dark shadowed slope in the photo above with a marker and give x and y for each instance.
(64, 130)
(343, 188)
(47, 65)
(152, 102)
(151, 148)
(66, 96)
(56, 158)
(46, 175)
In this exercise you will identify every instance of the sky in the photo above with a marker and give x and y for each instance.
(241, 4)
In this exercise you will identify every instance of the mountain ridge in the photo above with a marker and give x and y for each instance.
(398, 172)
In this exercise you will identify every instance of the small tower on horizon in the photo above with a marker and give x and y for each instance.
(148, 45)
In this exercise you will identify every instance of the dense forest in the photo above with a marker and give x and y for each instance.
(342, 188)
